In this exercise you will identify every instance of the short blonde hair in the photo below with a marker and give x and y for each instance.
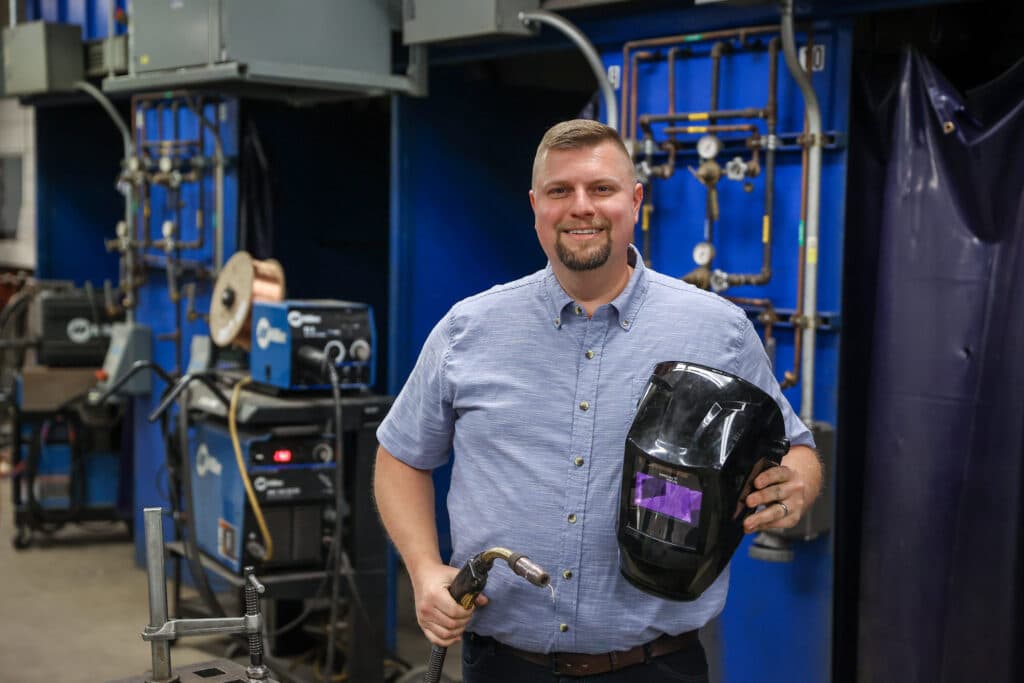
(578, 134)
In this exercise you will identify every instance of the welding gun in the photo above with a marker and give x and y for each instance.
(470, 582)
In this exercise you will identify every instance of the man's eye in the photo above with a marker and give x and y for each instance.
(557, 192)
(604, 189)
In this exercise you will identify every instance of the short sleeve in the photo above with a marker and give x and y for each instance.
(418, 430)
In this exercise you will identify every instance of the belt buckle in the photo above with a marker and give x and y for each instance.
(571, 669)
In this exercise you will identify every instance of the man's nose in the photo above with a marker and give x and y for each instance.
(582, 203)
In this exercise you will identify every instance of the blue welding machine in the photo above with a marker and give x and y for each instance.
(341, 330)
(293, 478)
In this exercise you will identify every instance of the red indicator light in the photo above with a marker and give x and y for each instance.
(282, 455)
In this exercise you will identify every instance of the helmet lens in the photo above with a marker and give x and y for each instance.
(666, 503)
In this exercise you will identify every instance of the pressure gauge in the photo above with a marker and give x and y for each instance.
(708, 147)
(703, 253)
(166, 164)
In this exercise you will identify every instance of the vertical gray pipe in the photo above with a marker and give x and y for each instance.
(128, 256)
(589, 52)
(813, 110)
(12, 13)
(153, 521)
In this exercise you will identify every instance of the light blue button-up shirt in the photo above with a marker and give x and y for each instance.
(536, 400)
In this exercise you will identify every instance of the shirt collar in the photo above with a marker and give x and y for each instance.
(626, 304)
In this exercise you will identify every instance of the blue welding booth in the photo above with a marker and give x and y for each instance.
(412, 204)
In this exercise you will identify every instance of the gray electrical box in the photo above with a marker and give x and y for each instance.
(129, 343)
(435, 21)
(40, 57)
(324, 44)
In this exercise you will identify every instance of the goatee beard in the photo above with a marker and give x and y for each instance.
(589, 259)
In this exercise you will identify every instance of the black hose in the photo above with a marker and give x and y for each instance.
(137, 367)
(339, 503)
(203, 376)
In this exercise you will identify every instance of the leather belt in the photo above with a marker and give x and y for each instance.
(575, 664)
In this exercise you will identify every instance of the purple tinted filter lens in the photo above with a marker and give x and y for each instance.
(666, 498)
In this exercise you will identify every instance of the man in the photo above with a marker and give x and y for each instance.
(535, 383)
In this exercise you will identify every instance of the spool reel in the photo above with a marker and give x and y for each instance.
(242, 282)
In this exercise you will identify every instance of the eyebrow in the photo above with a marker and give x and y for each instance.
(599, 181)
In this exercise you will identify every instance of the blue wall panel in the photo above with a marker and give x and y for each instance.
(76, 206)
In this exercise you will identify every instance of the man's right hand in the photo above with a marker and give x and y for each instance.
(442, 619)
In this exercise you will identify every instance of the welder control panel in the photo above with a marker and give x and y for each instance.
(343, 330)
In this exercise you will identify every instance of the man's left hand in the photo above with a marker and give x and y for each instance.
(786, 491)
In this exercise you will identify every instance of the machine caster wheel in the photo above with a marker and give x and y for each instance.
(22, 539)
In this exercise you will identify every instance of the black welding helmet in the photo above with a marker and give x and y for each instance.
(699, 438)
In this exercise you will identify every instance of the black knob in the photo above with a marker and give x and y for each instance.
(227, 297)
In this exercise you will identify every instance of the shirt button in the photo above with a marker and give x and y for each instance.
(585, 405)
(567, 574)
(558, 321)
(579, 311)
(572, 518)
(563, 627)
(589, 354)
(625, 323)
(578, 462)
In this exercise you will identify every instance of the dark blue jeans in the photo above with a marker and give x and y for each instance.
(485, 661)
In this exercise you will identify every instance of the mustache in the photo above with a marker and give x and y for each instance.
(596, 224)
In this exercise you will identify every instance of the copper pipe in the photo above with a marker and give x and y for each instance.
(672, 78)
(740, 33)
(791, 377)
(720, 128)
(765, 275)
(716, 66)
(637, 56)
(748, 113)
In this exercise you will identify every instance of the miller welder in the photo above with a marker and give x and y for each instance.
(67, 457)
(273, 482)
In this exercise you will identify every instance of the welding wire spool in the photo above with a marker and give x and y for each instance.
(242, 282)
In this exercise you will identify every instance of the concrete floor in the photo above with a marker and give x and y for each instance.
(72, 610)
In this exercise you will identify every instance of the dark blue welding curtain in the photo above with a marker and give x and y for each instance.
(941, 585)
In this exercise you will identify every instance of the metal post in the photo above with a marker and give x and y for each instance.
(814, 129)
(153, 521)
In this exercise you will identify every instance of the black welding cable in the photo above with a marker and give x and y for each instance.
(339, 503)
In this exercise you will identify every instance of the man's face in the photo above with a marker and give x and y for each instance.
(586, 203)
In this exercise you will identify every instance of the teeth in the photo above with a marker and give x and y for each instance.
(583, 232)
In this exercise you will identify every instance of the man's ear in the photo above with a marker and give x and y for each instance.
(638, 199)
